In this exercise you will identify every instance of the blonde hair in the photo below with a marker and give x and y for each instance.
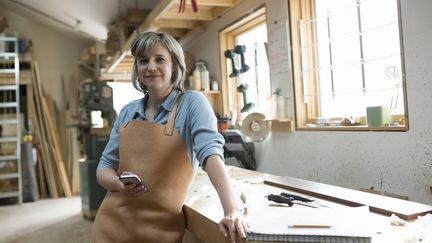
(147, 40)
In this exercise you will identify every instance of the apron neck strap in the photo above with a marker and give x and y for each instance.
(169, 127)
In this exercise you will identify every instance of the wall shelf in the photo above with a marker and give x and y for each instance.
(282, 125)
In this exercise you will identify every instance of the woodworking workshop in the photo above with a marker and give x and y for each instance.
(215, 121)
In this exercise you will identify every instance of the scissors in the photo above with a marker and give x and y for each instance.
(291, 199)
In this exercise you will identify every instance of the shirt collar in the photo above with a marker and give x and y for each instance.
(140, 111)
(169, 101)
(167, 104)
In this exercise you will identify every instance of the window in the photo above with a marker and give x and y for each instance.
(123, 93)
(250, 32)
(348, 65)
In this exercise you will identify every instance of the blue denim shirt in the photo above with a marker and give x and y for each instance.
(195, 122)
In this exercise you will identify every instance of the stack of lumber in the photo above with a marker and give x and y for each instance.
(52, 175)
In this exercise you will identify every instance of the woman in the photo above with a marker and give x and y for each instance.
(162, 138)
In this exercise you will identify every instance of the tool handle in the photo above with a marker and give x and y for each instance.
(279, 199)
(194, 6)
(296, 197)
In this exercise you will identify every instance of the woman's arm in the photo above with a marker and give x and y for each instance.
(233, 221)
(107, 177)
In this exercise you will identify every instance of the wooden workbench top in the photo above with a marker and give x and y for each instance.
(203, 209)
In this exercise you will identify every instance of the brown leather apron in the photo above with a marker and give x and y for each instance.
(156, 153)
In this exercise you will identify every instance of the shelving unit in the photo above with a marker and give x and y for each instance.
(10, 132)
(214, 98)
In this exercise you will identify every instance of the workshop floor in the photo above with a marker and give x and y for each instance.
(44, 221)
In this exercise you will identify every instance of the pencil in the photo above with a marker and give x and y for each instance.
(309, 226)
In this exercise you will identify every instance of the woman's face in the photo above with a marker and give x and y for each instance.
(155, 69)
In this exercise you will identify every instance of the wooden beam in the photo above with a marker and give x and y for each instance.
(176, 33)
(155, 14)
(117, 59)
(117, 77)
(219, 11)
(216, 3)
(192, 34)
(204, 14)
(175, 24)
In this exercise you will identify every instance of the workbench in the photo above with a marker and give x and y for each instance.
(203, 209)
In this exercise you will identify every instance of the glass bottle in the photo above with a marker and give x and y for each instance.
(196, 77)
(205, 78)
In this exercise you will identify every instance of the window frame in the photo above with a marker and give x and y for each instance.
(231, 99)
(304, 113)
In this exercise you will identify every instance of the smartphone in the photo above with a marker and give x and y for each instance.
(130, 179)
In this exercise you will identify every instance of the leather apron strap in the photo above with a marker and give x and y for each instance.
(169, 127)
(161, 161)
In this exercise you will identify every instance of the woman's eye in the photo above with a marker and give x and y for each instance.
(143, 61)
(160, 59)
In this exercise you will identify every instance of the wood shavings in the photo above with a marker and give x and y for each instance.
(395, 220)
(424, 228)
(245, 203)
(255, 181)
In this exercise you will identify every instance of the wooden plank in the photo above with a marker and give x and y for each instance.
(205, 14)
(155, 14)
(73, 154)
(282, 125)
(300, 105)
(219, 11)
(51, 138)
(41, 175)
(58, 156)
(178, 23)
(72, 147)
(199, 29)
(45, 155)
(176, 33)
(119, 57)
(379, 204)
(196, 222)
(215, 3)
(36, 135)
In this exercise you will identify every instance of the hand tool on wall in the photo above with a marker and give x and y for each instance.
(182, 6)
(241, 49)
(194, 6)
(231, 55)
(242, 88)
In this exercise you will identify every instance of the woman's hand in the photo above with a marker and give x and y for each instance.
(233, 222)
(130, 189)
(235, 225)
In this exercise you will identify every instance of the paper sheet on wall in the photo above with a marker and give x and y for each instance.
(278, 51)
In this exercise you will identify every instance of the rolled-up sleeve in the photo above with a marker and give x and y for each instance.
(110, 155)
(206, 139)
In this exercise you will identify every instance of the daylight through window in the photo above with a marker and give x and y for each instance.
(349, 64)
